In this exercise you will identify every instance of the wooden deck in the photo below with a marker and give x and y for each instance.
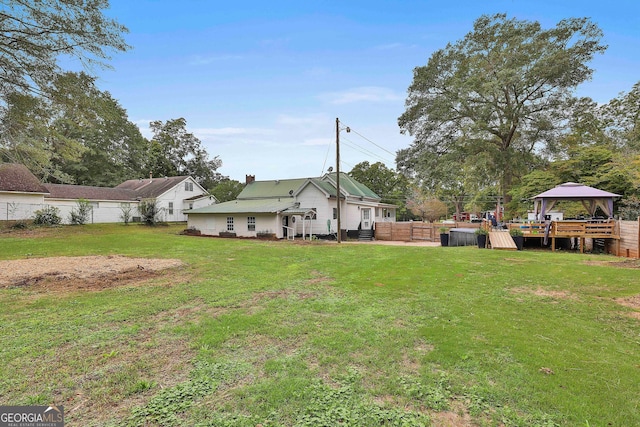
(571, 229)
(502, 240)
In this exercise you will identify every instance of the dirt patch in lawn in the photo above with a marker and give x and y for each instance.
(626, 263)
(547, 293)
(631, 302)
(86, 273)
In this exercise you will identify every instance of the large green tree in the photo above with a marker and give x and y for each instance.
(74, 134)
(502, 91)
(114, 148)
(36, 34)
(27, 137)
(391, 186)
(174, 151)
(226, 190)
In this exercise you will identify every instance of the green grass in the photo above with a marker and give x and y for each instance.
(280, 334)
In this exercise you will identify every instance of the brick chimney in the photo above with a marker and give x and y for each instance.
(249, 179)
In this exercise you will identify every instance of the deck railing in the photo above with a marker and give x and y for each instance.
(588, 229)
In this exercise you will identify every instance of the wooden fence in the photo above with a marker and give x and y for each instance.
(627, 246)
(629, 243)
(415, 230)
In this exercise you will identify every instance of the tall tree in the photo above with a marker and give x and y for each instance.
(28, 137)
(75, 133)
(227, 190)
(35, 34)
(503, 89)
(391, 186)
(114, 146)
(173, 151)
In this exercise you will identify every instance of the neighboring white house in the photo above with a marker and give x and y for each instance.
(21, 195)
(174, 194)
(294, 207)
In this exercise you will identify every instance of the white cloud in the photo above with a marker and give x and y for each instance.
(362, 94)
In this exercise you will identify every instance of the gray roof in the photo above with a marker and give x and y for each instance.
(65, 191)
(149, 188)
(16, 177)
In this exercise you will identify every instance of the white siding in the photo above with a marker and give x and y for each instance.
(108, 211)
(19, 206)
(213, 224)
(177, 196)
(311, 197)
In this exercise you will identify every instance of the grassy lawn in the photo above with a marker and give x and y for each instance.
(284, 334)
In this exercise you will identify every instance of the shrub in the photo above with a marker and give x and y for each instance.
(80, 214)
(20, 225)
(149, 211)
(49, 215)
(481, 232)
(515, 232)
(125, 214)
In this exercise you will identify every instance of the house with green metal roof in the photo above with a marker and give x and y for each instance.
(294, 207)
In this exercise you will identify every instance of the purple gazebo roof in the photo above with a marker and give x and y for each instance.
(591, 198)
(572, 190)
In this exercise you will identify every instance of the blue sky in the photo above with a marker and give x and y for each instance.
(261, 83)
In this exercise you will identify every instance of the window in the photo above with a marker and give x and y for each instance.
(229, 223)
(335, 213)
(188, 186)
(170, 208)
(251, 223)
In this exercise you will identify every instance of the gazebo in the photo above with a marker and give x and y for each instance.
(591, 198)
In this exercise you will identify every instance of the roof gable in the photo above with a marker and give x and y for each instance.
(350, 186)
(16, 177)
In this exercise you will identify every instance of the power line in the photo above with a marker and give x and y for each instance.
(367, 139)
(353, 145)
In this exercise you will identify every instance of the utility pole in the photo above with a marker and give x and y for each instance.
(338, 175)
(338, 178)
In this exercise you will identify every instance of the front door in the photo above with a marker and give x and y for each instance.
(366, 218)
(285, 224)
